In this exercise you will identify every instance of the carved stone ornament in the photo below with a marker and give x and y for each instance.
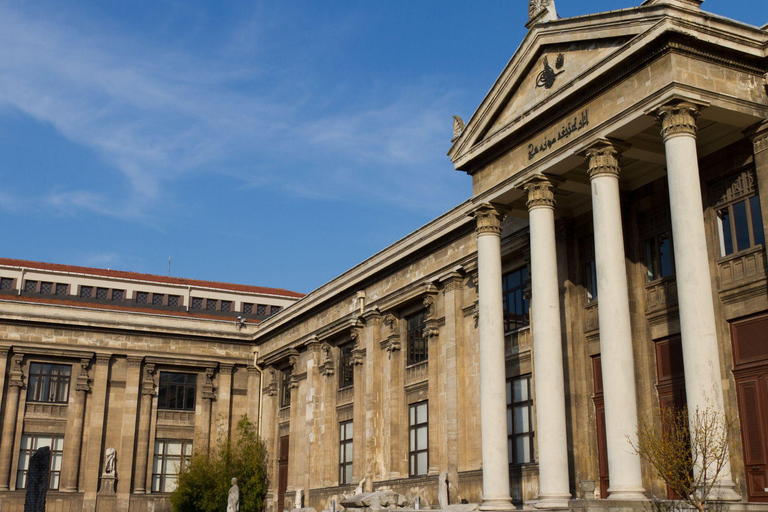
(392, 323)
(429, 303)
(392, 342)
(208, 392)
(293, 362)
(547, 76)
(488, 220)
(148, 384)
(430, 329)
(83, 383)
(358, 356)
(17, 374)
(603, 159)
(458, 127)
(271, 389)
(760, 141)
(326, 367)
(678, 119)
(536, 6)
(541, 192)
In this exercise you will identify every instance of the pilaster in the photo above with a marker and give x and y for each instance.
(15, 385)
(759, 136)
(125, 459)
(143, 434)
(74, 437)
(98, 418)
(223, 418)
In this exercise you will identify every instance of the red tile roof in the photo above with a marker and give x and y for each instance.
(119, 274)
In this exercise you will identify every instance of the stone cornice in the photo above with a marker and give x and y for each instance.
(488, 219)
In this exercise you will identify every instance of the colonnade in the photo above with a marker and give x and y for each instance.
(697, 320)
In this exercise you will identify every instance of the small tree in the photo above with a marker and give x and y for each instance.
(205, 481)
(689, 452)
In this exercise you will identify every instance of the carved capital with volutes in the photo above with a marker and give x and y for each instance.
(603, 158)
(488, 219)
(678, 119)
(541, 192)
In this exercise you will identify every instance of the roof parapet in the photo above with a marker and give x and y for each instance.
(684, 4)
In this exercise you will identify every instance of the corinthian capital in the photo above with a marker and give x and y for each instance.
(488, 219)
(603, 158)
(541, 192)
(678, 119)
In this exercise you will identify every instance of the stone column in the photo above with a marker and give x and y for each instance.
(626, 479)
(701, 358)
(15, 383)
(493, 400)
(142, 444)
(97, 418)
(548, 377)
(71, 464)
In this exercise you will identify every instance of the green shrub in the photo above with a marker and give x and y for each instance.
(205, 481)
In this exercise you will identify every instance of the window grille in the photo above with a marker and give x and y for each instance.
(30, 286)
(157, 299)
(197, 303)
(118, 295)
(346, 370)
(102, 293)
(142, 297)
(61, 289)
(46, 288)
(226, 306)
(173, 301)
(6, 283)
(86, 292)
(247, 308)
(261, 310)
(417, 342)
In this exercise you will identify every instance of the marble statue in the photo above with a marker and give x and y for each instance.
(233, 502)
(110, 461)
(442, 490)
(298, 502)
(360, 487)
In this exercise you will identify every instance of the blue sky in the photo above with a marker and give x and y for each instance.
(276, 143)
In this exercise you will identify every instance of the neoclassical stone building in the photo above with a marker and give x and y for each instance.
(610, 261)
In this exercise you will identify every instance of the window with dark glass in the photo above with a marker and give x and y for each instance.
(587, 252)
(142, 297)
(48, 383)
(211, 304)
(418, 439)
(86, 292)
(118, 295)
(247, 308)
(520, 420)
(46, 288)
(157, 299)
(516, 306)
(197, 303)
(274, 310)
(345, 452)
(226, 306)
(346, 370)
(102, 293)
(177, 391)
(261, 310)
(285, 388)
(171, 457)
(417, 342)
(174, 300)
(30, 286)
(659, 261)
(30, 443)
(61, 289)
(6, 283)
(740, 220)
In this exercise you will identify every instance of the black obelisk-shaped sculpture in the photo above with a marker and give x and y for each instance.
(37, 480)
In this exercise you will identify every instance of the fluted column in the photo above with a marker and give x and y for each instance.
(626, 479)
(493, 400)
(15, 383)
(142, 443)
(549, 381)
(75, 435)
(701, 358)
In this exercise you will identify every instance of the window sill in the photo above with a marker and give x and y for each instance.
(736, 255)
(518, 330)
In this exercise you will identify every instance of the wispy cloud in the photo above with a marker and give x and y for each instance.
(159, 114)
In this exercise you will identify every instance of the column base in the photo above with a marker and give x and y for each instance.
(497, 504)
(552, 501)
(629, 494)
(724, 491)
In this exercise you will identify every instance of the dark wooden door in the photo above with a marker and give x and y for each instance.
(282, 473)
(670, 375)
(602, 444)
(750, 357)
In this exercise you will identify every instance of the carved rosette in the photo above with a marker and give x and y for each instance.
(488, 220)
(148, 383)
(678, 119)
(208, 393)
(16, 374)
(83, 383)
(603, 160)
(541, 193)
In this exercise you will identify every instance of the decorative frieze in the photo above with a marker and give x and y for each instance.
(488, 219)
(678, 119)
(135, 361)
(732, 187)
(103, 359)
(541, 192)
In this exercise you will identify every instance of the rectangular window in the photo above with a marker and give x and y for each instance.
(30, 286)
(418, 439)
(86, 292)
(48, 383)
(520, 420)
(62, 289)
(174, 300)
(516, 305)
(345, 453)
(102, 293)
(261, 310)
(197, 303)
(6, 283)
(226, 306)
(740, 226)
(285, 388)
(177, 391)
(417, 342)
(30, 443)
(171, 457)
(346, 370)
(118, 295)
(142, 297)
(659, 261)
(590, 281)
(247, 308)
(157, 299)
(211, 305)
(46, 288)
(275, 309)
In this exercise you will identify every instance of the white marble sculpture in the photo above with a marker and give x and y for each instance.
(360, 487)
(110, 461)
(233, 502)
